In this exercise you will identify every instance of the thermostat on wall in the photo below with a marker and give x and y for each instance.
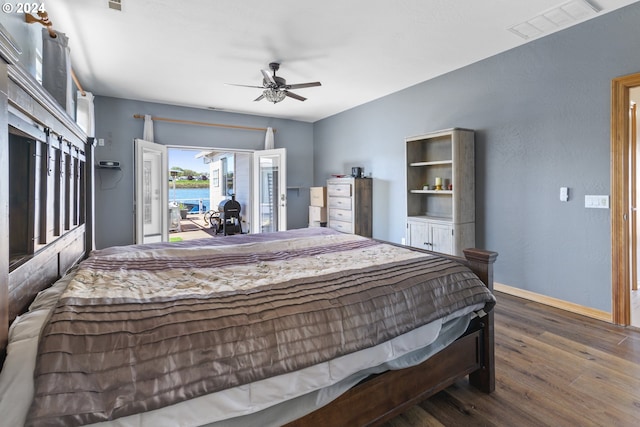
(109, 164)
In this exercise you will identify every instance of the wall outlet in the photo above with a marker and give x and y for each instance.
(596, 202)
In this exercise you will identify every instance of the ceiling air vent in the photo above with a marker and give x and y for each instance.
(554, 19)
(115, 4)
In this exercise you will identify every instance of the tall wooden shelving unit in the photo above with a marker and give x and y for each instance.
(441, 220)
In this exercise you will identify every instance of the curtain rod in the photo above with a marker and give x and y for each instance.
(43, 18)
(78, 85)
(189, 122)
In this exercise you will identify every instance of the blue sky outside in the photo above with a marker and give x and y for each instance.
(185, 159)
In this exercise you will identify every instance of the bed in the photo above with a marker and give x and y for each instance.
(357, 384)
(276, 325)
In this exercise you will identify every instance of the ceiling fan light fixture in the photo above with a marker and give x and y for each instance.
(275, 88)
(274, 95)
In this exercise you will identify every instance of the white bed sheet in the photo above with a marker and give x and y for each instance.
(272, 401)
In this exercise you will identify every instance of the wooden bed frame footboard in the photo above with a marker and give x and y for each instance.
(380, 398)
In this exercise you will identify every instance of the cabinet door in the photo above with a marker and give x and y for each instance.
(418, 235)
(442, 238)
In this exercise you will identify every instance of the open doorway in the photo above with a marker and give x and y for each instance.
(623, 213)
(200, 180)
(189, 180)
(634, 100)
(230, 172)
(205, 180)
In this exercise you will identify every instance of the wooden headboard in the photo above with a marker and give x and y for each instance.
(46, 181)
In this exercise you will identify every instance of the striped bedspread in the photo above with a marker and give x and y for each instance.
(143, 327)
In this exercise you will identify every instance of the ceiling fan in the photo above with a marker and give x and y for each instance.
(275, 88)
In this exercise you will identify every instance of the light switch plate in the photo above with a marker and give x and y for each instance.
(564, 194)
(596, 201)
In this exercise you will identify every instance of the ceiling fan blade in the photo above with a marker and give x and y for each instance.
(259, 98)
(294, 96)
(233, 84)
(303, 85)
(268, 77)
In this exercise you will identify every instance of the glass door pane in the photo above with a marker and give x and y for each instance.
(270, 205)
(151, 192)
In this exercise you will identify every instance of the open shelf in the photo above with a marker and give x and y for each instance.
(443, 192)
(441, 220)
(435, 163)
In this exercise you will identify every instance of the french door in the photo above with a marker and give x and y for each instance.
(151, 192)
(269, 191)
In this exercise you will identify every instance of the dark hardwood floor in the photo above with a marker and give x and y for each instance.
(553, 368)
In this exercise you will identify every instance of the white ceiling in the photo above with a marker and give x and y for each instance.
(185, 52)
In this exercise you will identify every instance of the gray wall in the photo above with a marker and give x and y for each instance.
(117, 126)
(542, 114)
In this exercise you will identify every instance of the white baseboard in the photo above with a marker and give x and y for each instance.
(554, 302)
